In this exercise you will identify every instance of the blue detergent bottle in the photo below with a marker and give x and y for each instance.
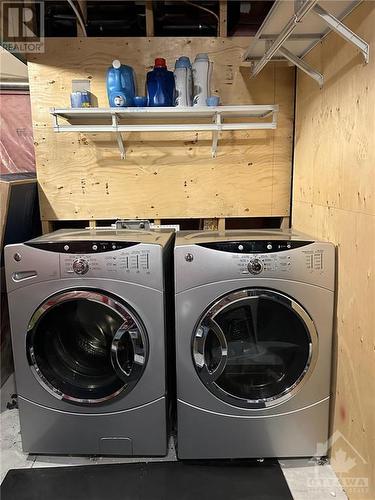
(120, 85)
(160, 85)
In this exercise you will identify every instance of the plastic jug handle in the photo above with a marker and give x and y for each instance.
(117, 79)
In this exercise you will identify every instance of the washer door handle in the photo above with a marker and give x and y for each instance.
(131, 373)
(200, 339)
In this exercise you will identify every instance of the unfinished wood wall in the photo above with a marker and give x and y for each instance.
(334, 199)
(165, 175)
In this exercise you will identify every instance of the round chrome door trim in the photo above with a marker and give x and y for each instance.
(108, 301)
(199, 347)
(137, 337)
(229, 300)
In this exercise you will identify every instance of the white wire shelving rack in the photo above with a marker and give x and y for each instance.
(122, 120)
(292, 28)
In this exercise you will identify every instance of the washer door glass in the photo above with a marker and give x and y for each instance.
(255, 348)
(86, 347)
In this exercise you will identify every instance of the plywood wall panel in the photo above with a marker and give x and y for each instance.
(165, 175)
(333, 199)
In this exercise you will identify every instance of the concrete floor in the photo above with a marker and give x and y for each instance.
(307, 480)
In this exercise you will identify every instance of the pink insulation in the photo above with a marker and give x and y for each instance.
(16, 133)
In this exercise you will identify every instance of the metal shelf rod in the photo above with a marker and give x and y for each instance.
(251, 110)
(199, 127)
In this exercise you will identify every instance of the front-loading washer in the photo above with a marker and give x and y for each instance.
(88, 324)
(254, 313)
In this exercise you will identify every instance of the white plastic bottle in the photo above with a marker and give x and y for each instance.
(184, 82)
(202, 71)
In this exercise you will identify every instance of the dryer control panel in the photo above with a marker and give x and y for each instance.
(260, 256)
(307, 261)
(313, 262)
(257, 264)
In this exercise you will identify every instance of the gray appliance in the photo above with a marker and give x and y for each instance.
(88, 325)
(254, 312)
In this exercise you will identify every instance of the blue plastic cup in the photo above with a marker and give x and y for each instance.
(213, 100)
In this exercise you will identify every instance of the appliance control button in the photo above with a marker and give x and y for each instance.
(66, 247)
(240, 247)
(17, 257)
(255, 266)
(269, 246)
(80, 266)
(288, 245)
(114, 247)
(189, 257)
(95, 247)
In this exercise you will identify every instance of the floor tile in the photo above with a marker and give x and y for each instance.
(308, 480)
(12, 456)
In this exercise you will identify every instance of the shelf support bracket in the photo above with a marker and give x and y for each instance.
(215, 135)
(343, 31)
(302, 65)
(55, 121)
(120, 142)
(285, 33)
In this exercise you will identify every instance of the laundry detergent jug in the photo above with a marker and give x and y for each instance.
(184, 82)
(160, 85)
(202, 72)
(120, 85)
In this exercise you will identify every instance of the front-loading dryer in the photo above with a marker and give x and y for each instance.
(87, 310)
(254, 313)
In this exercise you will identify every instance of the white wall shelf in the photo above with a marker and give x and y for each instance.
(119, 120)
(292, 29)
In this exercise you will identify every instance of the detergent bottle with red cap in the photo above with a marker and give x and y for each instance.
(160, 85)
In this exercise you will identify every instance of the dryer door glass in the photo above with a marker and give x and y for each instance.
(86, 347)
(255, 348)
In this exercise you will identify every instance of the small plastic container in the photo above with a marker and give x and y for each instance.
(80, 99)
(213, 100)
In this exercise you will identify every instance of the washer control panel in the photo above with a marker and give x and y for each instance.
(107, 264)
(97, 258)
(82, 246)
(136, 263)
